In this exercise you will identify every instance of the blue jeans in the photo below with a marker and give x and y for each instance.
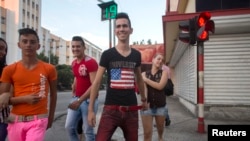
(3, 131)
(74, 116)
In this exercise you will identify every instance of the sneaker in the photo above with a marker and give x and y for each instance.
(167, 123)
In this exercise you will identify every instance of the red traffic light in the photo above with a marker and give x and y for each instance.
(204, 25)
(202, 34)
(203, 18)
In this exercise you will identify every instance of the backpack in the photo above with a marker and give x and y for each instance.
(169, 88)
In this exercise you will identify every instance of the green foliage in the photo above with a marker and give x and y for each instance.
(52, 60)
(42, 57)
(149, 42)
(65, 76)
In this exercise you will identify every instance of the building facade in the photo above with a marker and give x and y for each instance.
(226, 57)
(16, 14)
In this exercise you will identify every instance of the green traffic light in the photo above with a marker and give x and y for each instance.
(109, 10)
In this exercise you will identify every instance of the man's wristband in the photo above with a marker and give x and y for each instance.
(143, 99)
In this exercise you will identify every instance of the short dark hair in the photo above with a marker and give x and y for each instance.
(3, 60)
(123, 15)
(25, 31)
(78, 38)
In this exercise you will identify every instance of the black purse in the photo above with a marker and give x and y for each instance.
(169, 88)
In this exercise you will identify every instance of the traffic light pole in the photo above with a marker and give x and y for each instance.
(110, 33)
(108, 12)
(200, 57)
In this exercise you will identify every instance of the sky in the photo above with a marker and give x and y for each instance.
(68, 18)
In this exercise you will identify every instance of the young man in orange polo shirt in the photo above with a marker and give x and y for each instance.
(32, 80)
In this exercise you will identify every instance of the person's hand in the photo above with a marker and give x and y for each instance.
(91, 118)
(74, 105)
(33, 98)
(4, 100)
(73, 94)
(145, 105)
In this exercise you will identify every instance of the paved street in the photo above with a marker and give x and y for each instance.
(183, 124)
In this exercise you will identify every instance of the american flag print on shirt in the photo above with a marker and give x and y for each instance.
(122, 78)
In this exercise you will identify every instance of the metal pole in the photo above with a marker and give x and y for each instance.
(114, 32)
(200, 53)
(110, 32)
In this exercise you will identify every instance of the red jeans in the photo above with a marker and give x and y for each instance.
(111, 119)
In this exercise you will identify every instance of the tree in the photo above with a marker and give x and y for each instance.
(64, 76)
(42, 57)
(52, 60)
(149, 42)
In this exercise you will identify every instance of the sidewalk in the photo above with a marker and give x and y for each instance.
(183, 125)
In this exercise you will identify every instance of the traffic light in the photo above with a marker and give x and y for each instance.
(203, 26)
(187, 33)
(109, 10)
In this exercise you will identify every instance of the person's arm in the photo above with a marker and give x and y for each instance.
(4, 94)
(92, 76)
(29, 99)
(74, 105)
(52, 103)
(141, 87)
(73, 86)
(157, 85)
(140, 83)
(7, 96)
(93, 95)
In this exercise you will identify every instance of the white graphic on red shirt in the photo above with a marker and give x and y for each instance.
(82, 70)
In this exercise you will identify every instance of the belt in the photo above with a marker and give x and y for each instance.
(22, 118)
(123, 108)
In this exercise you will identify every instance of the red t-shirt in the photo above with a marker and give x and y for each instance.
(81, 72)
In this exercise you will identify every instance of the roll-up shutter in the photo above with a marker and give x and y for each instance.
(186, 78)
(227, 70)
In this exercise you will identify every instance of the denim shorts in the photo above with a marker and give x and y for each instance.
(157, 111)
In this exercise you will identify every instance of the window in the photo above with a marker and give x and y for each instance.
(37, 7)
(3, 34)
(3, 20)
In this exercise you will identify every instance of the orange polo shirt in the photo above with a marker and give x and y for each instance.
(26, 82)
